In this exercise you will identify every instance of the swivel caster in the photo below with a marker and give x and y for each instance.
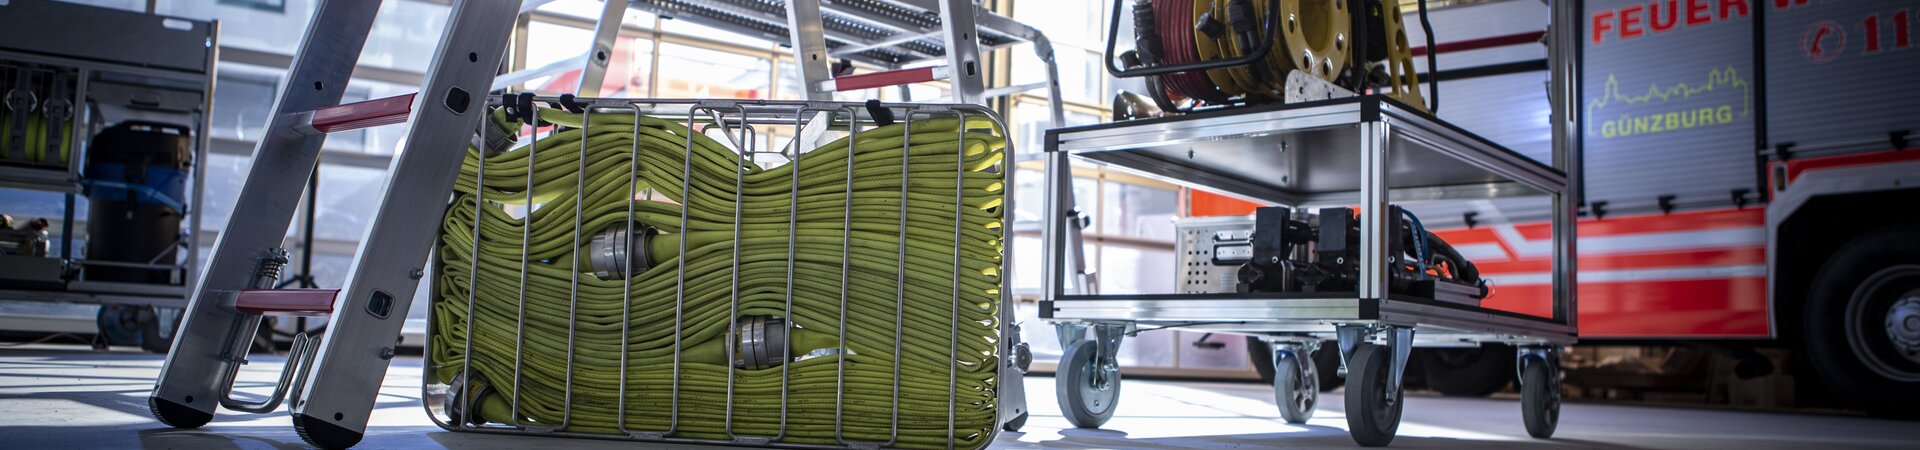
(1088, 388)
(1540, 393)
(1373, 401)
(1296, 382)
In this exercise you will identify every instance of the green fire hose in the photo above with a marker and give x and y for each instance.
(798, 209)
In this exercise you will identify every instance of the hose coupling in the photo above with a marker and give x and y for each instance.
(615, 254)
(761, 342)
(465, 395)
(494, 137)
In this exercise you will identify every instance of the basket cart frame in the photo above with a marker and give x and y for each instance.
(1366, 150)
(737, 119)
(330, 383)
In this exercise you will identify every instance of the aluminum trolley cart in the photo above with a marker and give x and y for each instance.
(1366, 150)
(1369, 151)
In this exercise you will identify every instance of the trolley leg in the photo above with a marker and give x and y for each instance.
(1012, 387)
(1539, 389)
(1349, 337)
(365, 327)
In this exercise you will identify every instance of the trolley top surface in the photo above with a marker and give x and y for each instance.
(1311, 153)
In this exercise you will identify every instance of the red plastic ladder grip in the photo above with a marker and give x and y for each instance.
(357, 115)
(286, 302)
(884, 79)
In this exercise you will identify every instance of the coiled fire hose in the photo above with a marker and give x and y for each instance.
(887, 266)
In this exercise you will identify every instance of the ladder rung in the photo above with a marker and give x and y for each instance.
(884, 79)
(286, 302)
(357, 115)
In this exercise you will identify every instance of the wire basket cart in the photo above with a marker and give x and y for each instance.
(1368, 150)
(754, 341)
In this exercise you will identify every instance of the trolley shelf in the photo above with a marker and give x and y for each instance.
(1305, 153)
(1332, 152)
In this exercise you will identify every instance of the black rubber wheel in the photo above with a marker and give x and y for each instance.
(177, 415)
(1467, 372)
(1015, 424)
(1088, 391)
(1372, 418)
(1296, 388)
(1539, 399)
(1862, 329)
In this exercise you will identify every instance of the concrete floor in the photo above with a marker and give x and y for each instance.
(67, 397)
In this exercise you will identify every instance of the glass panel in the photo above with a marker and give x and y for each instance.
(1149, 349)
(685, 28)
(349, 196)
(224, 175)
(243, 101)
(1070, 22)
(563, 49)
(404, 35)
(1080, 73)
(1232, 355)
(703, 73)
(1033, 119)
(1138, 211)
(590, 10)
(1134, 270)
(243, 26)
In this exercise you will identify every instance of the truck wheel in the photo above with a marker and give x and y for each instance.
(1862, 324)
(1467, 372)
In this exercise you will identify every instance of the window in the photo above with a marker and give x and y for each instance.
(707, 73)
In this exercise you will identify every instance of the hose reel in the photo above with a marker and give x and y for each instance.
(1210, 53)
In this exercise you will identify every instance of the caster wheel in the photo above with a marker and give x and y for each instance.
(1539, 399)
(1372, 417)
(1296, 386)
(1016, 424)
(1087, 389)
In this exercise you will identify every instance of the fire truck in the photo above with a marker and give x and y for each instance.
(1750, 182)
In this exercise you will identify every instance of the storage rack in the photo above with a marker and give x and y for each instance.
(1366, 150)
(159, 66)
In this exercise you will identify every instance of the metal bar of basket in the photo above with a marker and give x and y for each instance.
(680, 280)
(626, 278)
(465, 400)
(733, 304)
(846, 238)
(959, 213)
(900, 276)
(573, 287)
(526, 230)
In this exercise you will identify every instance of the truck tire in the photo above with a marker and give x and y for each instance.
(1467, 372)
(1862, 322)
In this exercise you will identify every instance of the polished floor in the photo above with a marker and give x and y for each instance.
(67, 397)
